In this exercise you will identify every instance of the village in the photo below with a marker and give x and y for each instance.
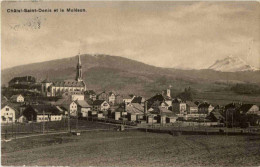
(70, 100)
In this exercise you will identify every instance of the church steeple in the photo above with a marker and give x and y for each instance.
(79, 70)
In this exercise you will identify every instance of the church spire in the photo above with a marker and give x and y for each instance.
(79, 70)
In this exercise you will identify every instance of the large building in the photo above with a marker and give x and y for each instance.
(58, 88)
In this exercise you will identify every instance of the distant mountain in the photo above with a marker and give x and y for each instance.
(232, 64)
(104, 72)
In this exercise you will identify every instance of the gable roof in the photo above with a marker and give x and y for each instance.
(69, 83)
(164, 111)
(233, 106)
(15, 96)
(65, 103)
(205, 104)
(135, 108)
(177, 100)
(246, 107)
(98, 102)
(217, 114)
(191, 104)
(138, 99)
(46, 109)
(83, 104)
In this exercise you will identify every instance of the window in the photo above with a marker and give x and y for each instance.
(7, 109)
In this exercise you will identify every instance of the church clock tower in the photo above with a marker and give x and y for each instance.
(79, 70)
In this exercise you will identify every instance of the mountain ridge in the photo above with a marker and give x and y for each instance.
(232, 64)
(105, 72)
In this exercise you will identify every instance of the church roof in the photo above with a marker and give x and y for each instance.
(69, 83)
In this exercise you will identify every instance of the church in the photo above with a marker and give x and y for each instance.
(60, 88)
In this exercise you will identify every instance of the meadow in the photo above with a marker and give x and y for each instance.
(132, 148)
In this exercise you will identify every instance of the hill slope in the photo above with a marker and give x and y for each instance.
(103, 72)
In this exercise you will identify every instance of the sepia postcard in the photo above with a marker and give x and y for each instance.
(130, 83)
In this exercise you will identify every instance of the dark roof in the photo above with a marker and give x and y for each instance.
(46, 109)
(205, 104)
(216, 114)
(138, 99)
(23, 79)
(177, 100)
(245, 107)
(233, 106)
(90, 92)
(98, 102)
(69, 83)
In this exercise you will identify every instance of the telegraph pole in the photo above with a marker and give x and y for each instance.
(43, 123)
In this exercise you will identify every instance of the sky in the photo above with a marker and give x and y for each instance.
(183, 34)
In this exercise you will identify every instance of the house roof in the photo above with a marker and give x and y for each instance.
(135, 108)
(46, 109)
(177, 100)
(90, 92)
(246, 107)
(65, 103)
(138, 99)
(23, 79)
(191, 104)
(15, 96)
(233, 106)
(205, 104)
(98, 102)
(46, 81)
(83, 104)
(164, 111)
(217, 114)
(69, 83)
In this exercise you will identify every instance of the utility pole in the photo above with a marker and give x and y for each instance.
(43, 123)
(69, 121)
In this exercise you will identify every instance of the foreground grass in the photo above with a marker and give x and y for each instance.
(132, 149)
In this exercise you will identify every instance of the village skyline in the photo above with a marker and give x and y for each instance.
(165, 34)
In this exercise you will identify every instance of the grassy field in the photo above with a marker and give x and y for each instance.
(132, 148)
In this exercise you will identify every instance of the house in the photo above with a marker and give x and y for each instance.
(167, 96)
(83, 107)
(205, 108)
(134, 111)
(102, 96)
(111, 98)
(69, 105)
(156, 101)
(40, 113)
(191, 107)
(216, 116)
(138, 100)
(91, 94)
(100, 105)
(7, 113)
(165, 115)
(249, 109)
(178, 106)
(25, 80)
(128, 99)
(17, 98)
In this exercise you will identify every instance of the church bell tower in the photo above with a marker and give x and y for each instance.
(79, 70)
